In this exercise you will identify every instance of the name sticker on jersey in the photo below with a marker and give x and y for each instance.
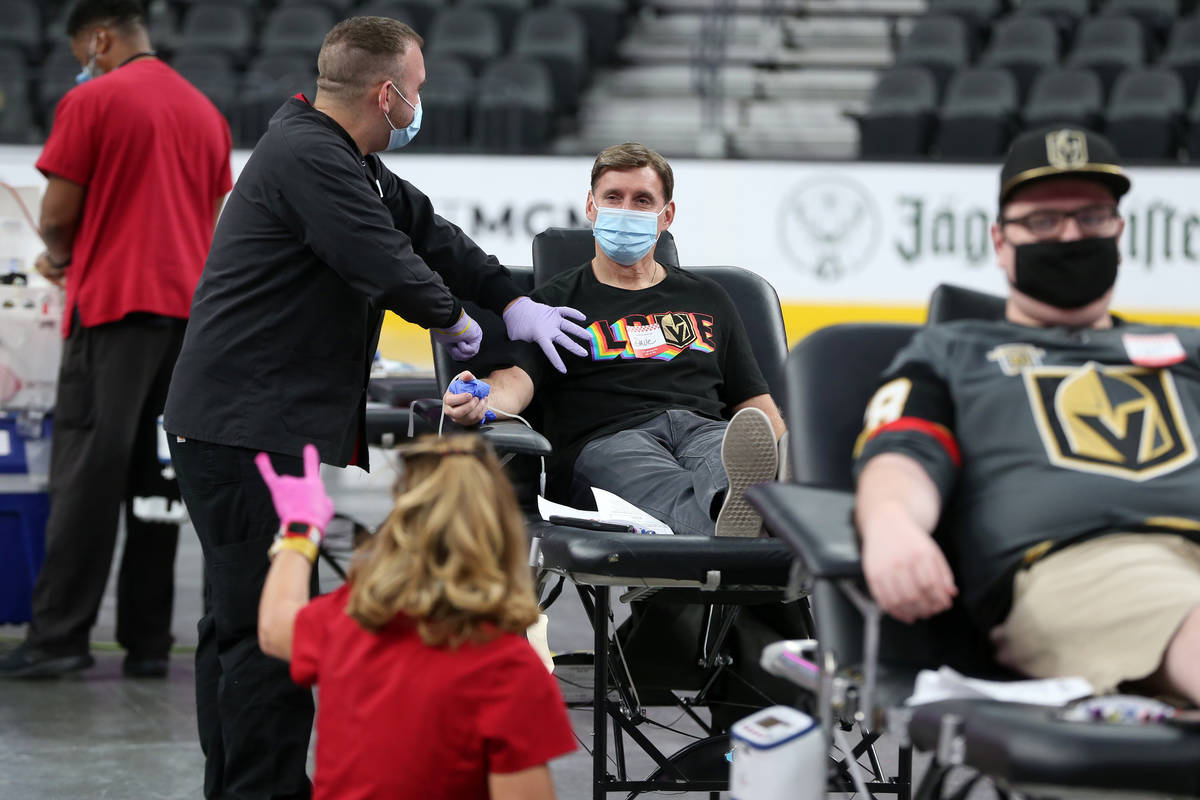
(1125, 422)
(1015, 358)
(1153, 349)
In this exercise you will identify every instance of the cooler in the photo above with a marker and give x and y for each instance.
(24, 507)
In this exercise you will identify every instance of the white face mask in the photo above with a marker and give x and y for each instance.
(402, 136)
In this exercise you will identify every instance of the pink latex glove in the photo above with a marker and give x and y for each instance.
(298, 499)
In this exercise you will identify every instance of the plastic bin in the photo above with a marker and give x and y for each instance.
(24, 508)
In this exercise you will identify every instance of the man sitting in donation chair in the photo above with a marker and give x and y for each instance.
(641, 414)
(1039, 473)
(669, 410)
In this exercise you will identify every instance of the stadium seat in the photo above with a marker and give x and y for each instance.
(12, 61)
(471, 34)
(979, 116)
(1183, 52)
(268, 81)
(209, 27)
(1069, 96)
(900, 114)
(506, 12)
(339, 8)
(514, 110)
(1193, 136)
(298, 29)
(940, 44)
(1146, 112)
(604, 21)
(1156, 16)
(417, 14)
(22, 26)
(17, 125)
(58, 77)
(978, 14)
(1065, 14)
(164, 34)
(1108, 45)
(213, 74)
(556, 37)
(448, 98)
(1024, 46)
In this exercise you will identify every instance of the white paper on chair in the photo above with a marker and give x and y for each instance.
(949, 684)
(609, 508)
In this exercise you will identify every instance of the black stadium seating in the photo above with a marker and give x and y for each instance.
(936, 94)
(979, 115)
(1128, 67)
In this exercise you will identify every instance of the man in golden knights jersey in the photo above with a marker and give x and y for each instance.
(1052, 451)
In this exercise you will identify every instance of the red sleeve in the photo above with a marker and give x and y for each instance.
(524, 719)
(309, 634)
(70, 150)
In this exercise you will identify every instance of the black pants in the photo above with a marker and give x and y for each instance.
(254, 722)
(112, 386)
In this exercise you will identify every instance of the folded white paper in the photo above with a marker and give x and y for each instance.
(609, 508)
(948, 684)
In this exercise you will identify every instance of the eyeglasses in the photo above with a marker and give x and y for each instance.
(1097, 220)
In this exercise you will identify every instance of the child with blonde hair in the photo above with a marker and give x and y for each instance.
(428, 687)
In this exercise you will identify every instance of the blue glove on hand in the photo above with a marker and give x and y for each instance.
(475, 388)
(461, 339)
(546, 326)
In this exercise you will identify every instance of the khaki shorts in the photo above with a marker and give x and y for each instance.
(1105, 609)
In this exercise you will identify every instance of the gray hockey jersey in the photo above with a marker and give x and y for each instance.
(1041, 437)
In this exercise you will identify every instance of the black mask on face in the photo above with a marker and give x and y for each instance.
(1067, 274)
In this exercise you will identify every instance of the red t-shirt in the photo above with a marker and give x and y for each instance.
(399, 719)
(153, 155)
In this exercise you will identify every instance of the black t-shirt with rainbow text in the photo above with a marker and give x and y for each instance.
(678, 344)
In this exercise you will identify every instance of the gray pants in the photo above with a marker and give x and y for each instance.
(670, 467)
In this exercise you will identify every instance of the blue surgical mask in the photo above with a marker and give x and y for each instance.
(625, 235)
(89, 70)
(402, 136)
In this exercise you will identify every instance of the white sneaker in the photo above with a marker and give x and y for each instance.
(750, 456)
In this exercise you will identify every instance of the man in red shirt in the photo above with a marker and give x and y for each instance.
(137, 164)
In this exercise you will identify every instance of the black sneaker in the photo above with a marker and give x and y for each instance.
(30, 662)
(145, 667)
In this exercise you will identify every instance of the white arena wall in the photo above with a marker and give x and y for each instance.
(840, 241)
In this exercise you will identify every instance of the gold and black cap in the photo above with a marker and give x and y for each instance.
(1058, 152)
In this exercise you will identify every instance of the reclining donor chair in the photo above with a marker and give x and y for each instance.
(718, 579)
(866, 662)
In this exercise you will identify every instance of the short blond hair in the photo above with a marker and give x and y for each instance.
(632, 155)
(362, 51)
(453, 554)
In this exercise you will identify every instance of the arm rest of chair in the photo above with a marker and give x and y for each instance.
(385, 424)
(816, 523)
(427, 409)
(505, 437)
(515, 437)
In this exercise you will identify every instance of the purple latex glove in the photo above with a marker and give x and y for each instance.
(461, 339)
(530, 321)
(298, 499)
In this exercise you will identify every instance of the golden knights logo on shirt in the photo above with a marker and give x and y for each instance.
(1122, 421)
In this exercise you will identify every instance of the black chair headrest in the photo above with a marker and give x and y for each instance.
(557, 250)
